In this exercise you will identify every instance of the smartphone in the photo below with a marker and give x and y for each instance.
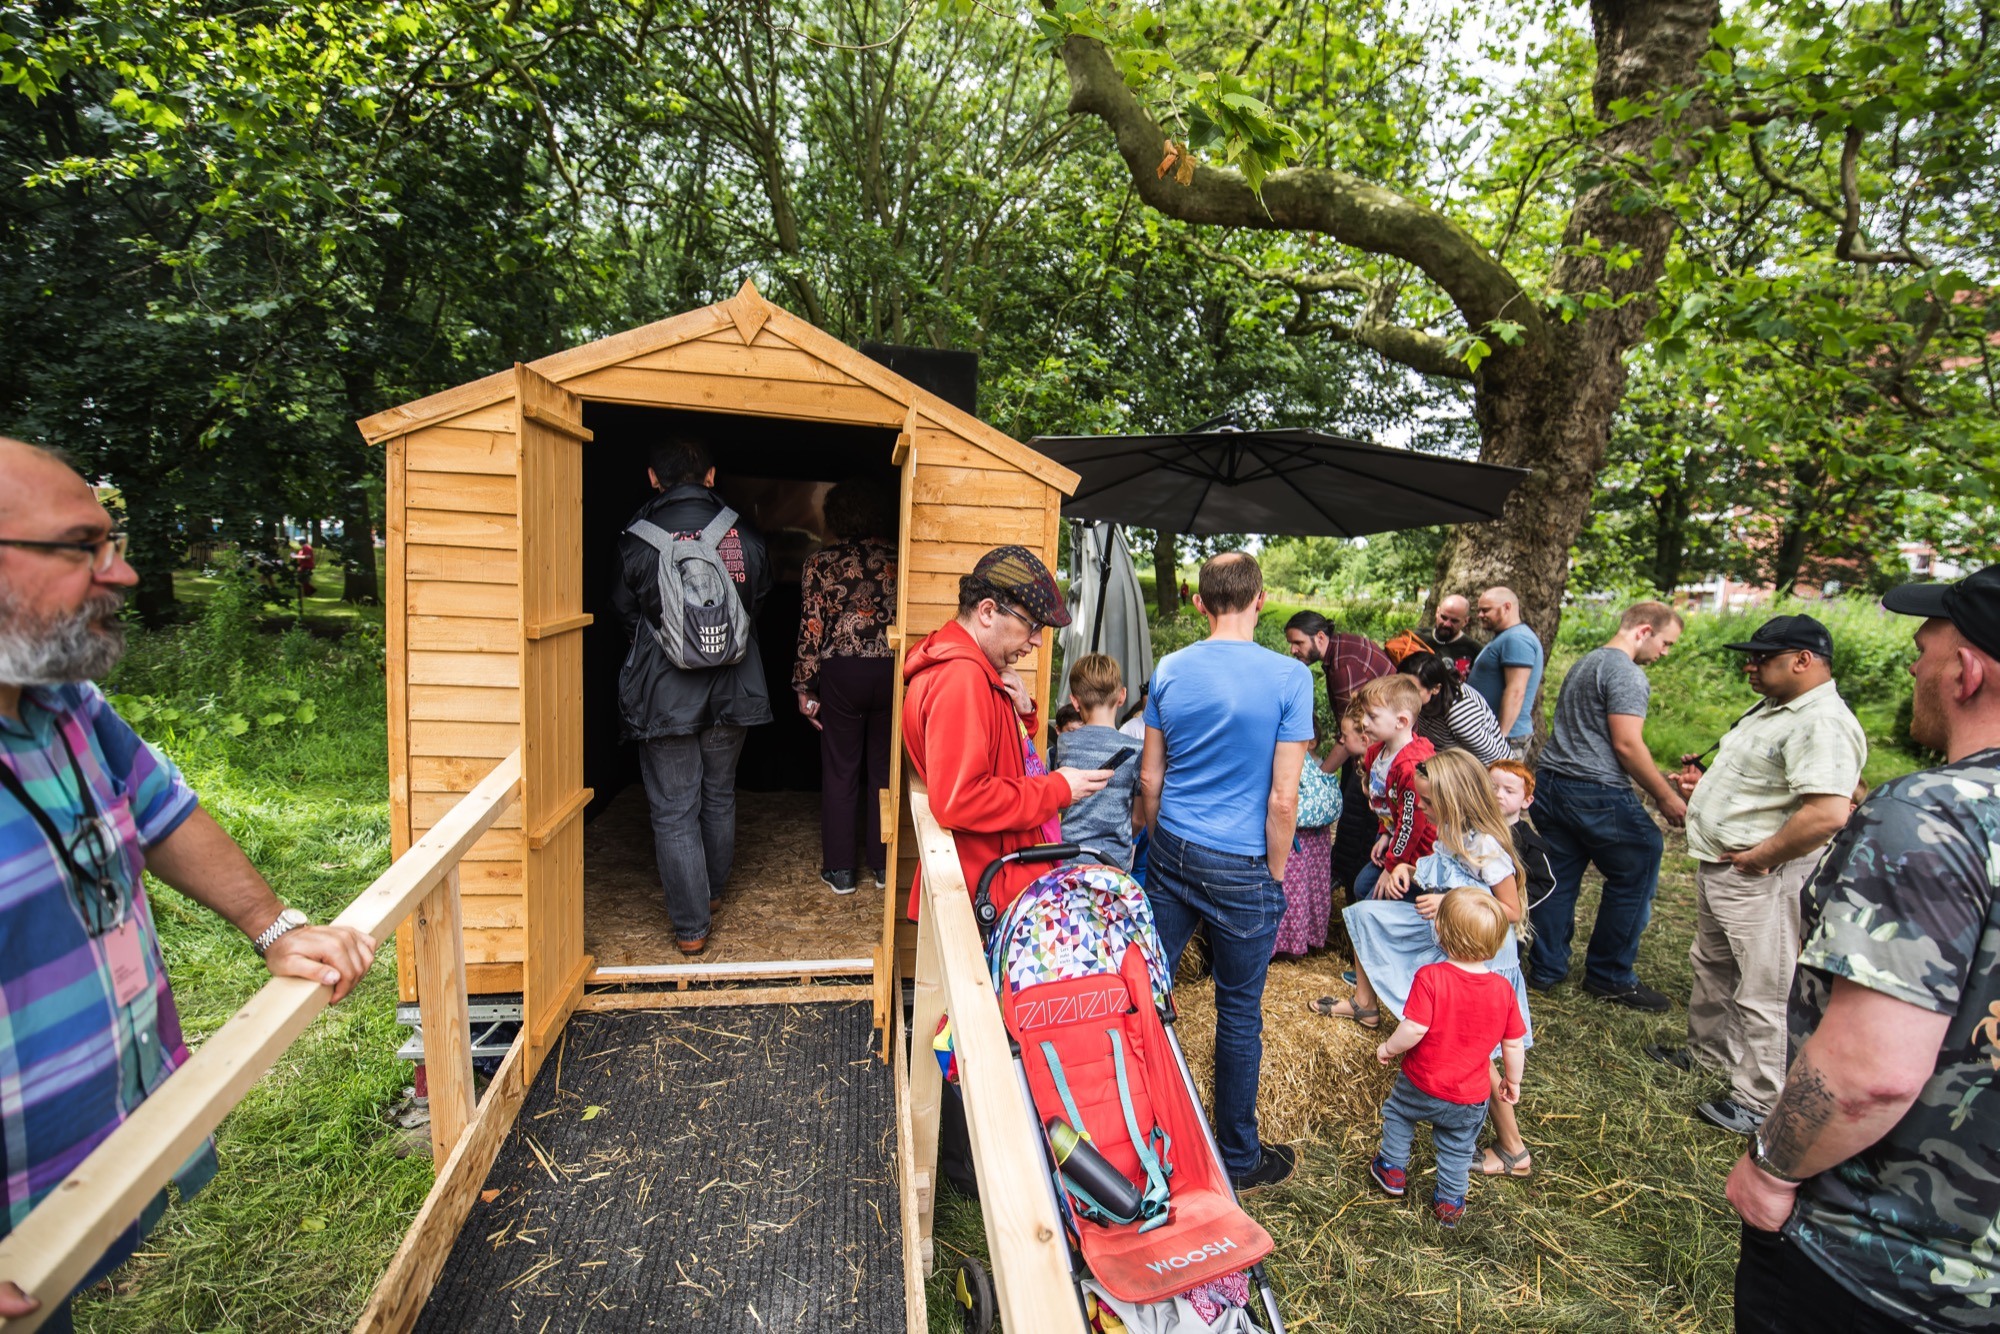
(1120, 758)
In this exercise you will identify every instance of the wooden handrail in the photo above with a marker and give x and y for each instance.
(1024, 1238)
(55, 1246)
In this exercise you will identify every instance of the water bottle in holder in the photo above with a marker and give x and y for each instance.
(1090, 1176)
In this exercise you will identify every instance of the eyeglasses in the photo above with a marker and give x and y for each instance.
(1034, 626)
(104, 552)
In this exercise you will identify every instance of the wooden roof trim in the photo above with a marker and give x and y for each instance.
(748, 312)
(558, 366)
(944, 415)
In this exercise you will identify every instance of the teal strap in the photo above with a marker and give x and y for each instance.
(1154, 1207)
(1062, 1088)
(1092, 1210)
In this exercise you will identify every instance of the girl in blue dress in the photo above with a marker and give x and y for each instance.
(1394, 932)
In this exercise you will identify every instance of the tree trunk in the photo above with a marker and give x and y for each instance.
(357, 549)
(1166, 574)
(154, 551)
(1549, 409)
(1670, 519)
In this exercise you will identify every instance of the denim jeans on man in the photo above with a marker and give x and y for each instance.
(1454, 1134)
(1604, 825)
(1187, 884)
(691, 788)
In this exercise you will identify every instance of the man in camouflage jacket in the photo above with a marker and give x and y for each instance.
(1879, 1167)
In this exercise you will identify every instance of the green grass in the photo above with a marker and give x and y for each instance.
(315, 1190)
(1624, 1227)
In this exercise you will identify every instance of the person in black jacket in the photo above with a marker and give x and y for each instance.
(689, 724)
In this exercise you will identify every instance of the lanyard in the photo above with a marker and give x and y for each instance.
(98, 894)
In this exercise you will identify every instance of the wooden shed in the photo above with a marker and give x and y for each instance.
(505, 498)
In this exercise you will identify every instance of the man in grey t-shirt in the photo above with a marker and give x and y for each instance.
(1586, 809)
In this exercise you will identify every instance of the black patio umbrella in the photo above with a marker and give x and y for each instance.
(1273, 482)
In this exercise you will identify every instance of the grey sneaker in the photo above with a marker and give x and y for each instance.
(1729, 1115)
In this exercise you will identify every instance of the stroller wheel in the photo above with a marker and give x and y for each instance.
(974, 1293)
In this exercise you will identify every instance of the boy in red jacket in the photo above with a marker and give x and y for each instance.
(1389, 707)
(969, 722)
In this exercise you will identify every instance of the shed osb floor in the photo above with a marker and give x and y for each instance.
(775, 907)
(728, 1170)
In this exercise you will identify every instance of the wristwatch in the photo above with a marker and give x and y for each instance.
(1763, 1163)
(288, 920)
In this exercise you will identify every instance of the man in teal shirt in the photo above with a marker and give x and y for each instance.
(1508, 671)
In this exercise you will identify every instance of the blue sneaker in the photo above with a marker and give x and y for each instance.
(1390, 1179)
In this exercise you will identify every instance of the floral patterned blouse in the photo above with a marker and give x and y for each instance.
(849, 591)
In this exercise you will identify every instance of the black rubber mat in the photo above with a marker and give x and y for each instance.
(712, 1169)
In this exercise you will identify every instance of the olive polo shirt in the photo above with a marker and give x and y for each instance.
(1809, 746)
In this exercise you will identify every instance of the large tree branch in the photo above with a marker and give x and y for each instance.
(1851, 245)
(1351, 210)
(1372, 328)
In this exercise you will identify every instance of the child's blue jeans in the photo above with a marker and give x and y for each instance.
(1454, 1134)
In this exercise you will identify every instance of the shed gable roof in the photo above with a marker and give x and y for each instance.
(749, 313)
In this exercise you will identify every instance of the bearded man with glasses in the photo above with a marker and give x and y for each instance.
(88, 1027)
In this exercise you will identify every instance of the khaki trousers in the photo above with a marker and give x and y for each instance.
(1746, 943)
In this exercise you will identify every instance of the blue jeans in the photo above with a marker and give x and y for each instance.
(1594, 824)
(691, 789)
(1454, 1133)
(1365, 881)
(1242, 905)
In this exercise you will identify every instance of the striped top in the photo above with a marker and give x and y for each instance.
(73, 1062)
(1467, 725)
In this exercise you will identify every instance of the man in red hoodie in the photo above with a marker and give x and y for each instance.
(969, 725)
(969, 722)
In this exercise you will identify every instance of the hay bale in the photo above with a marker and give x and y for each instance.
(1320, 1080)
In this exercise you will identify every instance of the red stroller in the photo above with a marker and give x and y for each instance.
(1085, 996)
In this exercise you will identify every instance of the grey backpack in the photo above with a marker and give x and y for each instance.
(702, 620)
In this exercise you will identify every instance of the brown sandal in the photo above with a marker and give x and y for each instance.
(1514, 1166)
(1368, 1016)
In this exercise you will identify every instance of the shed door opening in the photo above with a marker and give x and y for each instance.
(775, 473)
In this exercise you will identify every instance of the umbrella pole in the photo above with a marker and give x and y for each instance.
(1103, 580)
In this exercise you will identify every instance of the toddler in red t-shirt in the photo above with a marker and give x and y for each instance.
(1457, 1011)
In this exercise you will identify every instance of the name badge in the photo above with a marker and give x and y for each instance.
(126, 953)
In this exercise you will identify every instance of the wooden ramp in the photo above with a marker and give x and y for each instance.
(721, 1168)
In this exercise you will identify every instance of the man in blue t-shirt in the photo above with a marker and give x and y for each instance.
(1227, 727)
(1508, 671)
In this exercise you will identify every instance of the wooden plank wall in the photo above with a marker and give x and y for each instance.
(551, 704)
(454, 636)
(963, 502)
(456, 574)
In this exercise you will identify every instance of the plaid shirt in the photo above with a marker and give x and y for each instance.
(73, 1062)
(1351, 662)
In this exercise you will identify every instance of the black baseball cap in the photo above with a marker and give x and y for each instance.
(1972, 604)
(1782, 634)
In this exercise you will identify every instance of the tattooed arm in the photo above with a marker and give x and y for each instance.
(1852, 1082)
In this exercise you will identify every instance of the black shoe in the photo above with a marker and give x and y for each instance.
(1275, 1166)
(1730, 1116)
(1677, 1057)
(1638, 996)
(1539, 987)
(881, 878)
(840, 882)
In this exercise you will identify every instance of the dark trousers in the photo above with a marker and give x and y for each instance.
(1597, 824)
(691, 790)
(854, 702)
(1354, 836)
(1779, 1290)
(1236, 899)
